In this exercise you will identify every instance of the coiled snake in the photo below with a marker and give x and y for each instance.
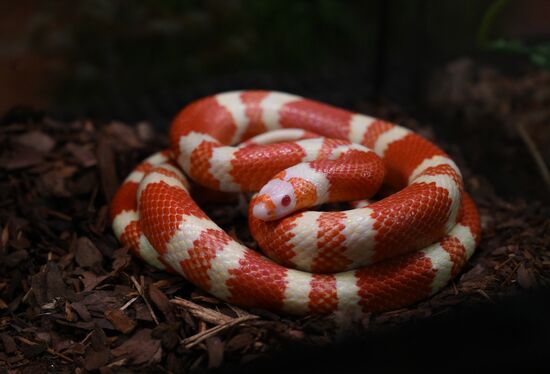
(299, 154)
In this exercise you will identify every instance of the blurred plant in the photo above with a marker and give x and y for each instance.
(538, 53)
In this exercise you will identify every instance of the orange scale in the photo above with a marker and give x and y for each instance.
(201, 255)
(383, 286)
(323, 296)
(159, 224)
(274, 237)
(403, 156)
(258, 282)
(200, 165)
(470, 217)
(330, 239)
(304, 191)
(253, 111)
(130, 237)
(316, 117)
(252, 167)
(406, 229)
(205, 116)
(374, 131)
(328, 146)
(456, 251)
(124, 199)
(166, 172)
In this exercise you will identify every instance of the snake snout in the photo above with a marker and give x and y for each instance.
(263, 207)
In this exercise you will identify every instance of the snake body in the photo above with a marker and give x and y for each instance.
(299, 153)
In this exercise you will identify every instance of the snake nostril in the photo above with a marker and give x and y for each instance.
(285, 200)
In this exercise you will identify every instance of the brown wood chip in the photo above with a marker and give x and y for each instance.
(140, 348)
(87, 254)
(215, 348)
(525, 277)
(120, 321)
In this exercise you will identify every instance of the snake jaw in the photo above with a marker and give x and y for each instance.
(263, 209)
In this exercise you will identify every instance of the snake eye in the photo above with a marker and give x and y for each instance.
(285, 201)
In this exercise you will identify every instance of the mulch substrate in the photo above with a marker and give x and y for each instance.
(72, 299)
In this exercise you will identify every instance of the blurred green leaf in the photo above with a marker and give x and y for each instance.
(538, 54)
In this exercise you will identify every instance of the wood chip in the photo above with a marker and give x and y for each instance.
(120, 321)
(51, 351)
(84, 156)
(205, 314)
(215, 348)
(525, 277)
(8, 342)
(82, 311)
(142, 294)
(161, 301)
(36, 140)
(140, 348)
(87, 254)
(106, 162)
(240, 341)
(196, 339)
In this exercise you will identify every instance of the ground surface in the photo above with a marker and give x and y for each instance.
(72, 299)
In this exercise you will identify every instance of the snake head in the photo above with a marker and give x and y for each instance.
(275, 200)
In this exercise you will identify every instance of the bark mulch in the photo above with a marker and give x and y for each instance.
(72, 299)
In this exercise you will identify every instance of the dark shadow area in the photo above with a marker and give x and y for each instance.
(509, 334)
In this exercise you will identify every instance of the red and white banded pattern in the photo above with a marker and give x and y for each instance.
(300, 153)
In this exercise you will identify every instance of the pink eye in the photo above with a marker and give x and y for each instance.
(285, 200)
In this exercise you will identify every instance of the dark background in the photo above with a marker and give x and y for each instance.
(144, 60)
